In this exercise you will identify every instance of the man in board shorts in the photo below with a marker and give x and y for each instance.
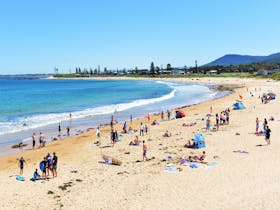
(145, 148)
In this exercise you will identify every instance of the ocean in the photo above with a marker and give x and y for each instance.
(38, 104)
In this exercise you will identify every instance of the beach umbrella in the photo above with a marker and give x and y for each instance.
(180, 113)
(124, 126)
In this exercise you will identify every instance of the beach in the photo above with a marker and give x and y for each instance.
(244, 176)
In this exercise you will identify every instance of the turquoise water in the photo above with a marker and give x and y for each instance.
(39, 104)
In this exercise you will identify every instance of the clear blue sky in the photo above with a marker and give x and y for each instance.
(37, 35)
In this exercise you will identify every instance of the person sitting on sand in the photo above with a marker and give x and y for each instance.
(199, 158)
(36, 175)
(189, 144)
(155, 122)
(167, 134)
(271, 118)
(135, 142)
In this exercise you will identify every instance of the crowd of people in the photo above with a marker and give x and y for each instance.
(47, 166)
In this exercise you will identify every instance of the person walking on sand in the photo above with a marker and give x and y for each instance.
(168, 114)
(33, 140)
(267, 135)
(54, 165)
(257, 125)
(146, 129)
(208, 124)
(145, 148)
(21, 163)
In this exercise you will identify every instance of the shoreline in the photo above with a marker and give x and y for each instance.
(8, 150)
(106, 126)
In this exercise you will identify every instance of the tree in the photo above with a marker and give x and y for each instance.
(55, 70)
(157, 70)
(136, 70)
(105, 70)
(152, 69)
(168, 66)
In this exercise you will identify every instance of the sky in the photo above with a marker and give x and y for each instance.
(36, 36)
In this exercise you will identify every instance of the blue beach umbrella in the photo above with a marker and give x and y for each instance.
(124, 126)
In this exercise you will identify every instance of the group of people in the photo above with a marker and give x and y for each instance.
(47, 165)
(266, 129)
(42, 140)
(223, 118)
(143, 129)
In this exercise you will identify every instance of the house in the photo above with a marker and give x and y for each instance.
(214, 71)
(262, 72)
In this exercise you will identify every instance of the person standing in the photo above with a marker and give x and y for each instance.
(217, 121)
(208, 124)
(131, 119)
(265, 124)
(68, 130)
(257, 125)
(49, 162)
(142, 129)
(145, 148)
(41, 139)
(146, 129)
(98, 133)
(267, 135)
(21, 165)
(162, 115)
(54, 165)
(168, 114)
(33, 140)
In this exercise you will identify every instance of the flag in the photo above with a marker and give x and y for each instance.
(149, 117)
(241, 97)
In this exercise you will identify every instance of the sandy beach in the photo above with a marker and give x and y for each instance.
(244, 179)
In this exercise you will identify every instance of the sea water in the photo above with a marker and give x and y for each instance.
(36, 104)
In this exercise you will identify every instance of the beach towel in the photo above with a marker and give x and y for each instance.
(171, 170)
(193, 165)
(170, 164)
(20, 178)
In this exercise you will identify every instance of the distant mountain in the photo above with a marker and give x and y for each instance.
(233, 59)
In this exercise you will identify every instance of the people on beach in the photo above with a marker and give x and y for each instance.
(196, 158)
(131, 119)
(217, 121)
(98, 132)
(145, 148)
(36, 175)
(59, 129)
(142, 128)
(208, 121)
(267, 135)
(167, 134)
(257, 125)
(265, 124)
(41, 140)
(33, 140)
(162, 115)
(146, 129)
(21, 165)
(54, 165)
(135, 142)
(113, 137)
(70, 115)
(43, 167)
(49, 164)
(68, 131)
(168, 114)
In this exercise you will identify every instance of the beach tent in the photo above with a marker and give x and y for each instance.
(199, 141)
(180, 113)
(238, 105)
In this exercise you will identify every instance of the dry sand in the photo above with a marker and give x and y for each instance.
(239, 181)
